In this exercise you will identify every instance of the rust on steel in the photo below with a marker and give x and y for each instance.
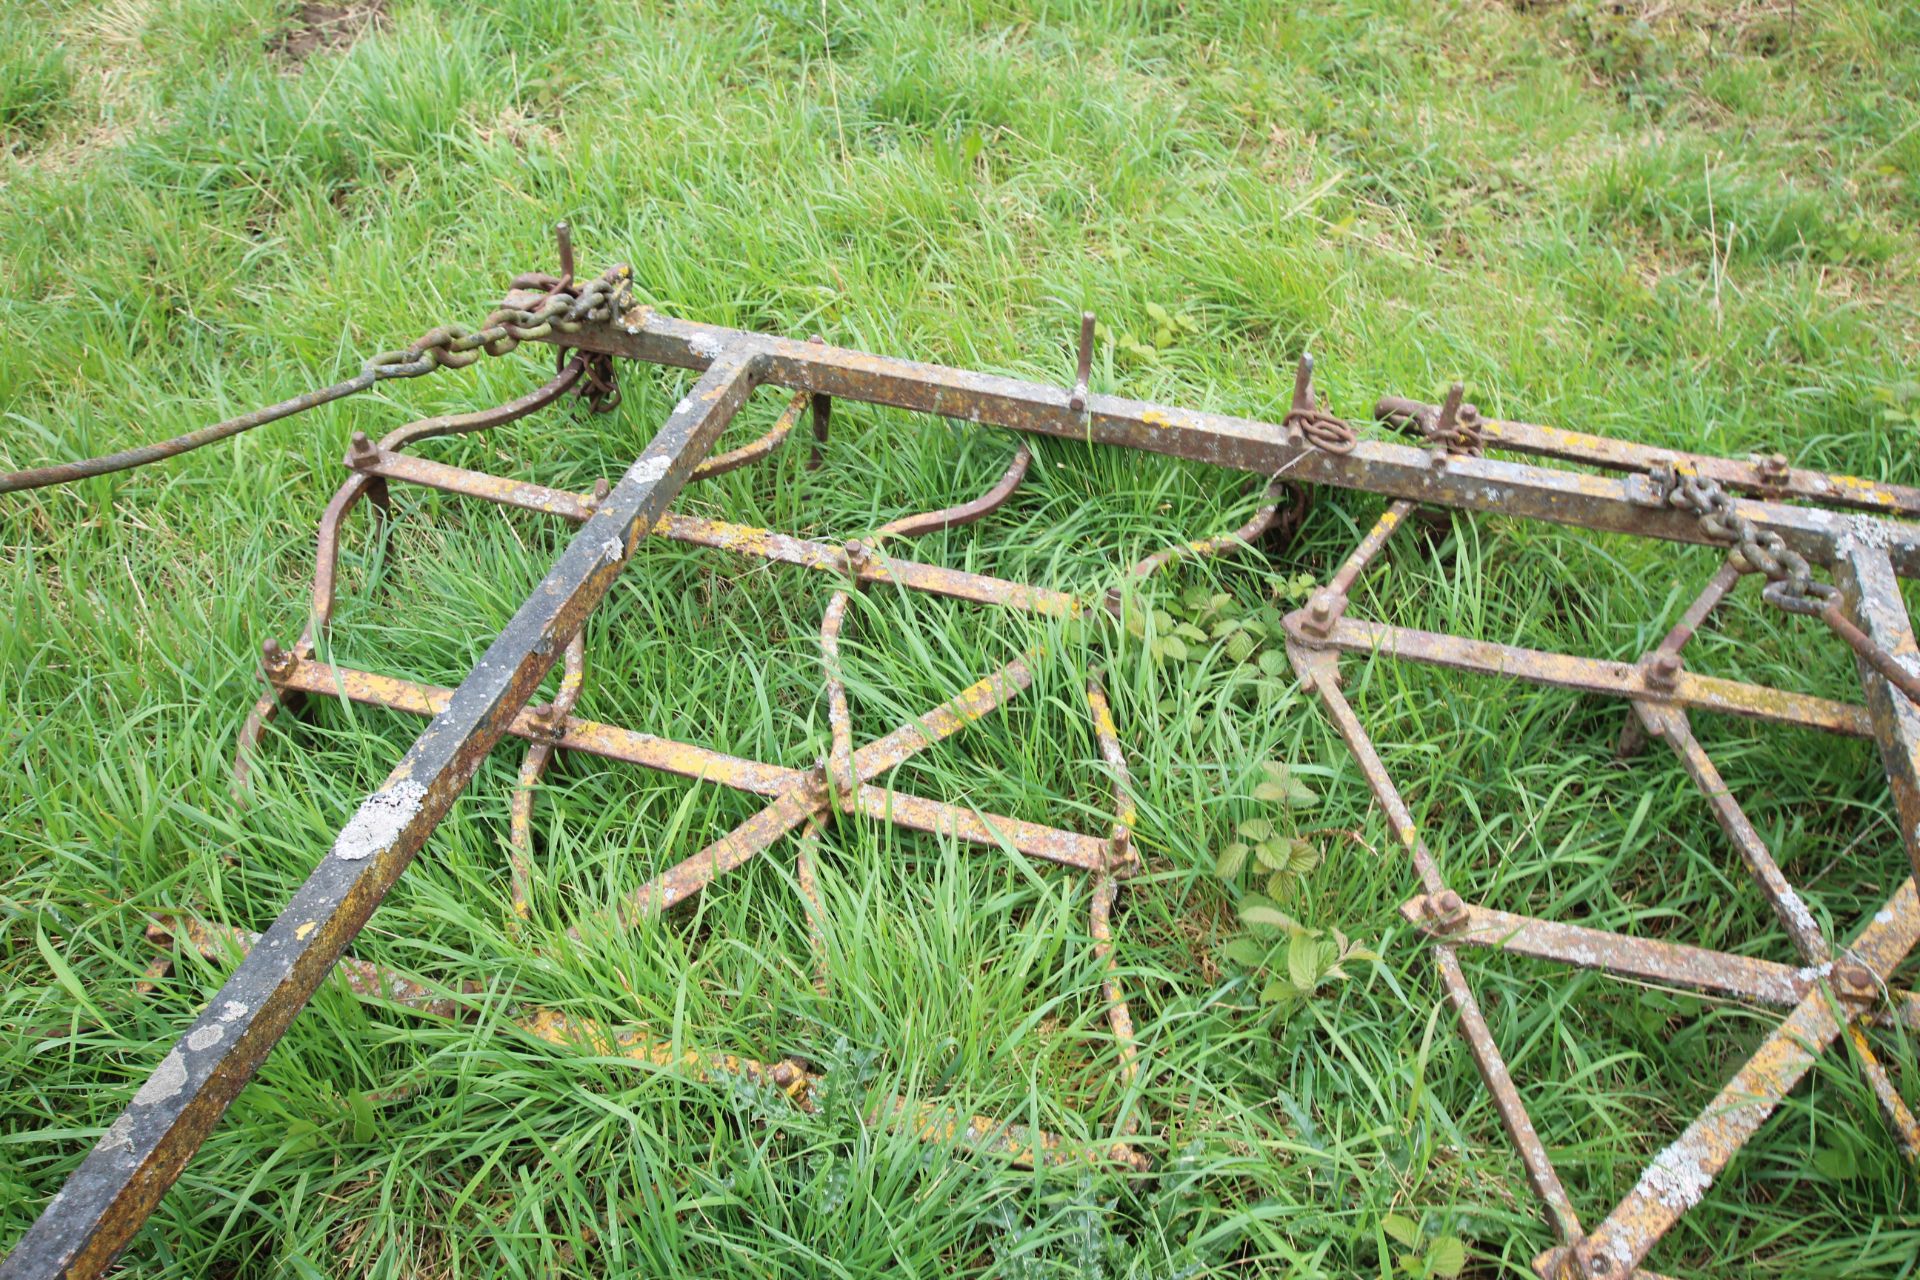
(1627, 503)
(1019, 1145)
(1768, 516)
(1768, 476)
(1826, 997)
(137, 1159)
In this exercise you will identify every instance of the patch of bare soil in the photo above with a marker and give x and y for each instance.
(318, 28)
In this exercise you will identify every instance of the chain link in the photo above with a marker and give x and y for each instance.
(1462, 435)
(1790, 582)
(563, 310)
(1322, 429)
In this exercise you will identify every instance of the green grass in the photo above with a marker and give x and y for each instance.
(1697, 230)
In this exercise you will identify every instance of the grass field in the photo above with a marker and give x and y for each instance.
(1692, 224)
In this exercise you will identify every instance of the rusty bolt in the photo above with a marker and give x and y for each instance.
(276, 660)
(1445, 911)
(1773, 470)
(785, 1074)
(600, 490)
(857, 553)
(1854, 981)
(547, 721)
(360, 451)
(1437, 457)
(1663, 670)
(1322, 612)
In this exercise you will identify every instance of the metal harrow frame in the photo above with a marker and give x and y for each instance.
(1652, 493)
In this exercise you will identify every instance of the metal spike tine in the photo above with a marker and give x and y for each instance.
(1303, 397)
(1083, 367)
(1450, 411)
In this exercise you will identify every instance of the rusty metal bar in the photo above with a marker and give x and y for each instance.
(1051, 844)
(1718, 587)
(326, 567)
(1670, 724)
(742, 539)
(572, 733)
(734, 459)
(1623, 504)
(1020, 1145)
(992, 500)
(1262, 522)
(550, 719)
(142, 1152)
(1671, 964)
(1769, 477)
(1121, 861)
(1866, 578)
(1319, 672)
(1589, 675)
(1680, 1175)
(839, 717)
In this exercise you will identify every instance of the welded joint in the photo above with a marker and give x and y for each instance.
(1437, 914)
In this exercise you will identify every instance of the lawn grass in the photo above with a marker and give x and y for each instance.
(1696, 230)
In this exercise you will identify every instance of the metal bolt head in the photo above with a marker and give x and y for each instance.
(546, 719)
(1320, 608)
(359, 449)
(1854, 979)
(1446, 910)
(273, 657)
(1663, 670)
(785, 1073)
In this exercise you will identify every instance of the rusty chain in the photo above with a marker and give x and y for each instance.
(1318, 427)
(1322, 430)
(452, 346)
(564, 309)
(1790, 582)
(1791, 585)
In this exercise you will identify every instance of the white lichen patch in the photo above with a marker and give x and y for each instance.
(380, 820)
(613, 551)
(1796, 912)
(1677, 1178)
(120, 1136)
(1869, 531)
(232, 1011)
(1883, 917)
(169, 1078)
(685, 405)
(704, 346)
(647, 470)
(203, 1038)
